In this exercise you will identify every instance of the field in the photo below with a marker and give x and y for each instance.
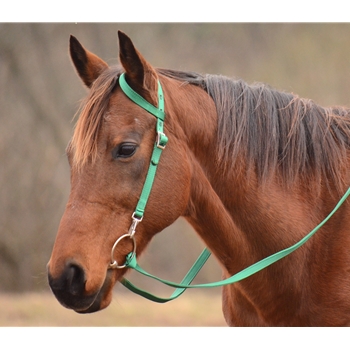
(192, 309)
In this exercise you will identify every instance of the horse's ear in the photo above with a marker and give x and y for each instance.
(141, 76)
(87, 64)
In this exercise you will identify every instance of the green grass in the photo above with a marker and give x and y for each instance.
(194, 309)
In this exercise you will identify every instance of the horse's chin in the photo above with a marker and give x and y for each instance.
(101, 302)
(103, 298)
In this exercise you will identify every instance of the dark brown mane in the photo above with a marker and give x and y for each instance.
(273, 129)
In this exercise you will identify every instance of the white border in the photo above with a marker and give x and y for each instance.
(178, 11)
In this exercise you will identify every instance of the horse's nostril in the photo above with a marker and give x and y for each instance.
(69, 288)
(75, 279)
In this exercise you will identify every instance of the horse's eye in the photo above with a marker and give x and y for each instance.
(124, 150)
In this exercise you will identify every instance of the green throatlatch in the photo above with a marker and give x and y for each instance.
(131, 260)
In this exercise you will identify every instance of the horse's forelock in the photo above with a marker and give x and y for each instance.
(92, 113)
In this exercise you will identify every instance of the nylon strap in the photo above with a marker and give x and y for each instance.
(159, 145)
(132, 263)
(191, 274)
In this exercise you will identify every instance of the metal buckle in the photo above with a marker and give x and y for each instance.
(162, 140)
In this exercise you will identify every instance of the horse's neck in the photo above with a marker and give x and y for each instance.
(242, 222)
(209, 217)
(194, 121)
(236, 218)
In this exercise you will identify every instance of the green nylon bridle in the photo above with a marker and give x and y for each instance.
(131, 261)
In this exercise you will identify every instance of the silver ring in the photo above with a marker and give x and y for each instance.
(114, 263)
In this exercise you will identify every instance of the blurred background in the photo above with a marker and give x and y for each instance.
(40, 93)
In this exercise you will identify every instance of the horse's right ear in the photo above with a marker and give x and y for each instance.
(87, 64)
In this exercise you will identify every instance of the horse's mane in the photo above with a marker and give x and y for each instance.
(277, 132)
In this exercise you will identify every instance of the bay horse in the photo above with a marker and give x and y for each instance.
(252, 169)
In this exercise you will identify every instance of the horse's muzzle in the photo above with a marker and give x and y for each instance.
(69, 289)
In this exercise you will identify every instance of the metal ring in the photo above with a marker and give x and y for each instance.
(114, 263)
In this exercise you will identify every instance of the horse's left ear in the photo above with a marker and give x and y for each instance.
(140, 75)
(88, 65)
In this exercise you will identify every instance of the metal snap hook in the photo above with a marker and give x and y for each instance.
(135, 222)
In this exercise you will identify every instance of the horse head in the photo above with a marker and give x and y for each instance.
(109, 156)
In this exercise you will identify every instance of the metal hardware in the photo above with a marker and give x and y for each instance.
(130, 234)
(114, 263)
(135, 222)
(161, 140)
